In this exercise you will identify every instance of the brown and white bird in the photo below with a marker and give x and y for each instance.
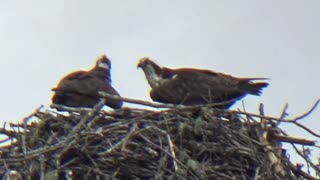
(80, 88)
(189, 86)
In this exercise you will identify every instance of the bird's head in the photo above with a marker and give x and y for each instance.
(103, 62)
(149, 67)
(152, 71)
(102, 68)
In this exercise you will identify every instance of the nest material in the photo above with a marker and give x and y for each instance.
(196, 143)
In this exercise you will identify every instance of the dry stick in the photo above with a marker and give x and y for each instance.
(9, 133)
(135, 101)
(306, 153)
(262, 120)
(302, 173)
(307, 129)
(90, 114)
(24, 142)
(298, 141)
(42, 167)
(112, 147)
(133, 131)
(70, 109)
(5, 149)
(309, 112)
(34, 153)
(84, 119)
(294, 168)
(165, 151)
(288, 139)
(256, 173)
(25, 122)
(315, 167)
(261, 116)
(158, 105)
(275, 162)
(283, 114)
(173, 154)
(128, 136)
(75, 130)
(248, 118)
(63, 150)
(280, 120)
(294, 140)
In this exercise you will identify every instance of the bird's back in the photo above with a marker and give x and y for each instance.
(80, 89)
(192, 87)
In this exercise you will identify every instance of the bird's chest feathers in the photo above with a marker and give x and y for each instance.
(155, 80)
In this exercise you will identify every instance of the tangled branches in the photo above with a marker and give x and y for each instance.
(180, 142)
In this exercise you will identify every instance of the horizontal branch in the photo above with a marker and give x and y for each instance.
(295, 140)
(161, 105)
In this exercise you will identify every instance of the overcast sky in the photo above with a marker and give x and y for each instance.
(42, 41)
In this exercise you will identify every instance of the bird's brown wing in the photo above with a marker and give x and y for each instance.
(81, 89)
(107, 88)
(76, 82)
(191, 86)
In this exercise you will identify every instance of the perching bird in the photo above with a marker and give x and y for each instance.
(189, 86)
(80, 88)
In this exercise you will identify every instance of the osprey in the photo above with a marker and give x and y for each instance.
(189, 86)
(80, 88)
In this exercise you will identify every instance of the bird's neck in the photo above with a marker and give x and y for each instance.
(153, 77)
(102, 73)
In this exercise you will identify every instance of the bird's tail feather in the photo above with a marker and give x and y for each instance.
(254, 88)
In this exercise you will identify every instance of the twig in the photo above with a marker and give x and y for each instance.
(89, 115)
(70, 109)
(157, 141)
(262, 137)
(307, 129)
(160, 105)
(34, 153)
(276, 119)
(171, 150)
(301, 173)
(308, 112)
(9, 133)
(283, 114)
(315, 167)
(112, 147)
(42, 167)
(128, 136)
(165, 151)
(294, 140)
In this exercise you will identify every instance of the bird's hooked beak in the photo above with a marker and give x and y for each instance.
(142, 62)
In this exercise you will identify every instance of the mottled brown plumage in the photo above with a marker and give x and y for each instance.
(80, 88)
(190, 86)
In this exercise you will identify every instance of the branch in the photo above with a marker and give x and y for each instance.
(160, 105)
(70, 109)
(308, 112)
(294, 140)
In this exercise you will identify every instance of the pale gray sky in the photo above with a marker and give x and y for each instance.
(41, 41)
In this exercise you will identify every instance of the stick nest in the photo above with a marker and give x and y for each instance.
(194, 143)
